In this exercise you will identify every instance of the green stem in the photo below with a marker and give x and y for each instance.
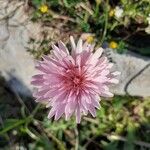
(15, 125)
(77, 137)
(35, 110)
(21, 101)
(106, 24)
(57, 141)
(26, 120)
(66, 3)
(96, 10)
(31, 134)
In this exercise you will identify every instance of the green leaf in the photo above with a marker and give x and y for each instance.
(129, 145)
(101, 112)
(42, 144)
(121, 47)
(85, 27)
(37, 2)
(111, 146)
(9, 124)
(118, 103)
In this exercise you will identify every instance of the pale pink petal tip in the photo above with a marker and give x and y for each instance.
(73, 82)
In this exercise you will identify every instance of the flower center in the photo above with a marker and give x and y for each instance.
(73, 79)
(77, 81)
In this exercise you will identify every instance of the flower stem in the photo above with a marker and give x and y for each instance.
(97, 9)
(77, 137)
(106, 24)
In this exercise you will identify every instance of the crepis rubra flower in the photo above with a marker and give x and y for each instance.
(73, 82)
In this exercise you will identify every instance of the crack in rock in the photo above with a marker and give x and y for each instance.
(134, 79)
(140, 82)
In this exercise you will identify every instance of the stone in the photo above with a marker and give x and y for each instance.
(141, 83)
(4, 34)
(20, 17)
(135, 73)
(17, 65)
(3, 6)
(13, 6)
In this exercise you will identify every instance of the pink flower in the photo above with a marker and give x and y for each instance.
(73, 83)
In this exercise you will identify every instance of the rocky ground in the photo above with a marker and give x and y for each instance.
(17, 64)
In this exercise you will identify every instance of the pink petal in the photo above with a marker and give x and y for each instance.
(98, 53)
(107, 94)
(88, 47)
(73, 45)
(116, 73)
(110, 65)
(115, 81)
(92, 110)
(51, 93)
(63, 47)
(51, 113)
(38, 76)
(78, 114)
(79, 46)
(59, 112)
(37, 82)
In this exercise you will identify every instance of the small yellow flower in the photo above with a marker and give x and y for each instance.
(113, 45)
(90, 39)
(111, 13)
(44, 8)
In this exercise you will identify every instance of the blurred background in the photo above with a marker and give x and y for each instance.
(27, 30)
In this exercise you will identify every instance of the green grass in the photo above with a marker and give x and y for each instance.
(77, 17)
(122, 123)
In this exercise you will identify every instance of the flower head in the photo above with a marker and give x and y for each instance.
(118, 12)
(44, 8)
(73, 82)
(90, 39)
(113, 45)
(111, 13)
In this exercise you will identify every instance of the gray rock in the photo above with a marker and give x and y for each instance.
(4, 34)
(141, 82)
(17, 65)
(135, 74)
(20, 16)
(3, 7)
(15, 62)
